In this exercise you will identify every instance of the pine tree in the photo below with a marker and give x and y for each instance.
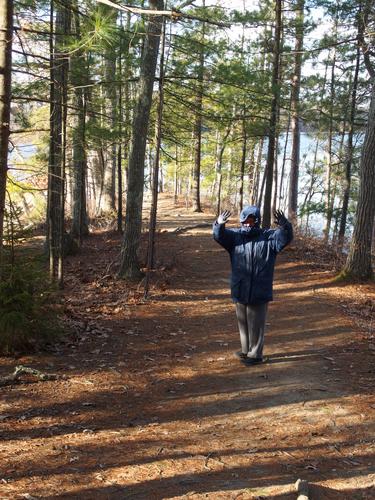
(129, 266)
(6, 35)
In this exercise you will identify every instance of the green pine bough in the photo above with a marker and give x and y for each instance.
(26, 316)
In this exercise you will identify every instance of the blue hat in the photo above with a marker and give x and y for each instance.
(250, 210)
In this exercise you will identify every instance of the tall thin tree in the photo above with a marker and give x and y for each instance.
(6, 34)
(155, 173)
(359, 264)
(349, 152)
(329, 199)
(295, 112)
(78, 78)
(273, 117)
(56, 167)
(198, 123)
(129, 265)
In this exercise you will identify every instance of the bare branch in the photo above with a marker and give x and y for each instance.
(137, 10)
(185, 4)
(38, 56)
(29, 130)
(174, 14)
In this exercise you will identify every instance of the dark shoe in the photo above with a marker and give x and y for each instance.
(241, 355)
(252, 361)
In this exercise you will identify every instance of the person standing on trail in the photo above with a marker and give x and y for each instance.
(252, 252)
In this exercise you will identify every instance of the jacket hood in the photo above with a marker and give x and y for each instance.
(250, 210)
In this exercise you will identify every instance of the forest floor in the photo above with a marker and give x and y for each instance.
(153, 403)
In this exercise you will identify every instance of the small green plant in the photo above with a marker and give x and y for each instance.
(26, 320)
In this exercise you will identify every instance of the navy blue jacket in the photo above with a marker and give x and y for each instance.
(252, 255)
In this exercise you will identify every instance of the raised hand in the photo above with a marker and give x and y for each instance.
(280, 218)
(223, 217)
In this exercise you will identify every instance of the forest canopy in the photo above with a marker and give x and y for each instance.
(228, 103)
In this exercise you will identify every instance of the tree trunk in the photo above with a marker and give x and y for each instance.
(295, 112)
(176, 179)
(328, 195)
(119, 146)
(243, 161)
(229, 176)
(273, 118)
(126, 114)
(56, 177)
(358, 264)
(310, 193)
(262, 185)
(219, 166)
(282, 189)
(198, 126)
(129, 265)
(250, 169)
(6, 34)
(111, 110)
(254, 194)
(256, 174)
(313, 174)
(275, 173)
(349, 155)
(155, 173)
(78, 79)
(119, 188)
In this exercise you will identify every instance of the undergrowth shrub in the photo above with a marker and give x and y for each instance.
(27, 318)
(316, 252)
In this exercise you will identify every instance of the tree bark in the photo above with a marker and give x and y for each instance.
(112, 103)
(198, 126)
(349, 154)
(275, 171)
(282, 188)
(229, 178)
(120, 146)
(6, 34)
(126, 113)
(129, 265)
(218, 168)
(273, 118)
(358, 264)
(176, 179)
(256, 175)
(56, 177)
(155, 173)
(243, 162)
(328, 195)
(295, 114)
(78, 79)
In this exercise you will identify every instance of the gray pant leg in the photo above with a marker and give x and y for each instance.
(242, 326)
(251, 324)
(256, 322)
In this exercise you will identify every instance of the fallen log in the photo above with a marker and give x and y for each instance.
(187, 228)
(24, 370)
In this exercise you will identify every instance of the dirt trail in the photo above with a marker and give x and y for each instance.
(155, 405)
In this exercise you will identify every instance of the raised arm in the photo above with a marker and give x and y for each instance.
(284, 234)
(225, 237)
